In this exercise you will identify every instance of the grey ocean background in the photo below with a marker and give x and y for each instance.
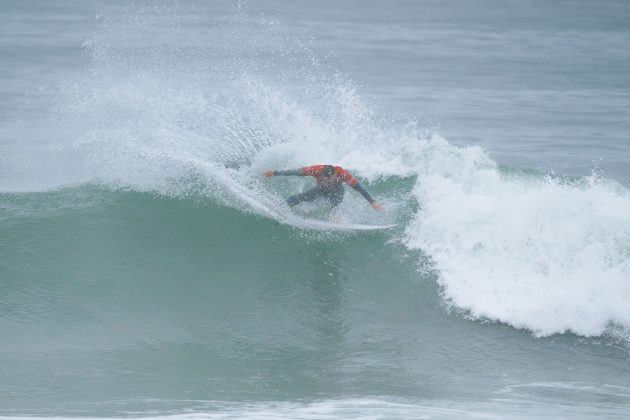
(147, 269)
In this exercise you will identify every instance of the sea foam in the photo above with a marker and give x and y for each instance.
(538, 252)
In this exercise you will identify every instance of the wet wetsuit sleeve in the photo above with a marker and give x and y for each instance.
(363, 192)
(347, 176)
(288, 172)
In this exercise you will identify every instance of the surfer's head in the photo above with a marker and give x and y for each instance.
(328, 171)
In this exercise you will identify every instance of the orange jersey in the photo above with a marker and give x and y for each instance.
(324, 184)
(316, 171)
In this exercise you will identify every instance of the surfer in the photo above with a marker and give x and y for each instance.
(329, 180)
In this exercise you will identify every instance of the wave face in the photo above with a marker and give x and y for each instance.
(162, 305)
(140, 241)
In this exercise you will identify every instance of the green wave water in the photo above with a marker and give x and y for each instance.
(118, 302)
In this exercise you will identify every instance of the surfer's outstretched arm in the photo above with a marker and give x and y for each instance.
(363, 192)
(357, 186)
(352, 181)
(315, 170)
(288, 172)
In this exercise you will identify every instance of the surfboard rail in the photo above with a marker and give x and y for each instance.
(325, 225)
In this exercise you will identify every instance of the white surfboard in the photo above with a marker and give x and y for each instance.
(318, 224)
(298, 221)
(325, 225)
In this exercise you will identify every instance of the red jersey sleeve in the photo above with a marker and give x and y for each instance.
(346, 176)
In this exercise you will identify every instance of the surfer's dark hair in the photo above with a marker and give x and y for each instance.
(328, 170)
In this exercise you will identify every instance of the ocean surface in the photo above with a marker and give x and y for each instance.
(148, 269)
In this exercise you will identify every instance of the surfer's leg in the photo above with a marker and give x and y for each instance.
(309, 195)
(332, 216)
(335, 197)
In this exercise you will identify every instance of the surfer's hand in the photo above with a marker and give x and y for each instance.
(268, 173)
(377, 206)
